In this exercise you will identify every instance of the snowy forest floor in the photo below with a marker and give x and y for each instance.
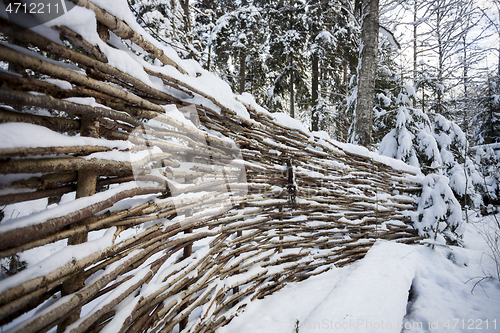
(395, 288)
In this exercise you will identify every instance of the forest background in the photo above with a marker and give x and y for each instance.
(436, 90)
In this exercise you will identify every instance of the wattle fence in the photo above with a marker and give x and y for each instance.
(137, 201)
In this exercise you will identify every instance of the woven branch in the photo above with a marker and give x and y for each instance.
(344, 201)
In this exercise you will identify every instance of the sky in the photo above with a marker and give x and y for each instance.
(485, 33)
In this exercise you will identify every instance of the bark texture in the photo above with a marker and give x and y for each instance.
(366, 72)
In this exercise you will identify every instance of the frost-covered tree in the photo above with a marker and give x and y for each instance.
(439, 148)
(239, 42)
(411, 137)
(170, 21)
(439, 214)
(387, 91)
(319, 38)
(487, 134)
(333, 40)
(456, 164)
(488, 161)
(287, 61)
(416, 140)
(488, 130)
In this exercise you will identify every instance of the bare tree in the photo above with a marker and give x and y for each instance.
(446, 25)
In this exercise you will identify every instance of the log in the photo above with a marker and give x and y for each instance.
(70, 164)
(7, 153)
(78, 41)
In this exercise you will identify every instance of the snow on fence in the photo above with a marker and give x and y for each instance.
(139, 197)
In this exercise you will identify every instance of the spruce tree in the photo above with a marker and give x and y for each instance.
(287, 61)
(169, 21)
(411, 139)
(238, 40)
(332, 44)
(489, 118)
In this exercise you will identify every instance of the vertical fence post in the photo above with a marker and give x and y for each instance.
(86, 186)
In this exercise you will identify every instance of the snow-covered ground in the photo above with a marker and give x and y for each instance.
(395, 288)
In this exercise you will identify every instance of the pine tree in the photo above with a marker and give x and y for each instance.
(411, 139)
(489, 117)
(488, 153)
(418, 142)
(317, 38)
(287, 59)
(456, 164)
(387, 89)
(238, 40)
(332, 43)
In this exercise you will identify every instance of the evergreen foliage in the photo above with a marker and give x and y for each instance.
(166, 21)
(334, 40)
(410, 138)
(286, 63)
(488, 130)
(238, 39)
(456, 164)
(488, 161)
(301, 57)
(439, 213)
(387, 89)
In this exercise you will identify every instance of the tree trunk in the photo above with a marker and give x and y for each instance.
(209, 61)
(466, 69)
(440, 61)
(314, 92)
(243, 57)
(345, 79)
(344, 122)
(292, 92)
(187, 20)
(415, 8)
(366, 73)
(499, 47)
